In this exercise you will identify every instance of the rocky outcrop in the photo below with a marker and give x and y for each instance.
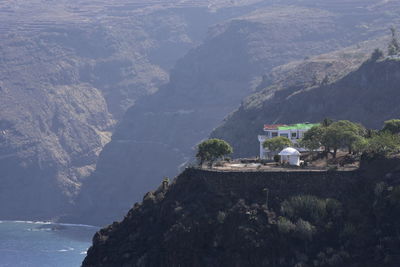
(208, 218)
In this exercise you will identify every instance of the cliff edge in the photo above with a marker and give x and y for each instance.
(209, 218)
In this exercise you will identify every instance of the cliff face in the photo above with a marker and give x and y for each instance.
(207, 218)
(366, 95)
(68, 72)
(158, 134)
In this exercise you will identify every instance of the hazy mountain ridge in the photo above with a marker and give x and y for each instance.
(70, 69)
(366, 95)
(159, 133)
(68, 72)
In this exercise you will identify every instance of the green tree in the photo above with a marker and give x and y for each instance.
(211, 150)
(332, 138)
(394, 47)
(326, 122)
(361, 144)
(376, 55)
(312, 139)
(277, 143)
(384, 143)
(342, 134)
(392, 126)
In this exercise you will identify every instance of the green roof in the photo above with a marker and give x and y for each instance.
(298, 126)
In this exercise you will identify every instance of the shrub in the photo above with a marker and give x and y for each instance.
(285, 225)
(394, 46)
(377, 54)
(311, 208)
(380, 188)
(221, 216)
(277, 158)
(392, 126)
(395, 196)
(334, 208)
(384, 143)
(348, 231)
(306, 207)
(304, 230)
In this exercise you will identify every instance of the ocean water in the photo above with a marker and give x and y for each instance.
(40, 244)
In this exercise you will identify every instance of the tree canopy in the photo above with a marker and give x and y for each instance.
(377, 54)
(277, 143)
(394, 46)
(312, 139)
(392, 126)
(342, 134)
(383, 143)
(354, 137)
(212, 149)
(334, 135)
(326, 122)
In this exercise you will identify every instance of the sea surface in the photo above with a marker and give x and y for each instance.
(41, 244)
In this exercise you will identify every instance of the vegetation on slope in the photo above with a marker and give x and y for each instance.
(261, 219)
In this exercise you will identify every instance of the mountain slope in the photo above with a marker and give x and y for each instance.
(68, 72)
(367, 95)
(159, 133)
(207, 218)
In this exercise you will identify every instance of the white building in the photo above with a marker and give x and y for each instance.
(294, 132)
(291, 156)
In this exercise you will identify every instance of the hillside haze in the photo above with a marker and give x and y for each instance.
(158, 135)
(100, 100)
(69, 71)
(366, 95)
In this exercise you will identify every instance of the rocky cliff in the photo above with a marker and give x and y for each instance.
(158, 134)
(366, 95)
(68, 72)
(71, 69)
(207, 218)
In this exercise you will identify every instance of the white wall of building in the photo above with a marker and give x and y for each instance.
(294, 136)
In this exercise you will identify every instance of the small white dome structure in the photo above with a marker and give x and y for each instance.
(290, 155)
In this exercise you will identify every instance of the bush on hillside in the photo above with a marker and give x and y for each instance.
(310, 208)
(392, 126)
(212, 149)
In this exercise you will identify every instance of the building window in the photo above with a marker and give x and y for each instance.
(284, 135)
(274, 134)
(294, 135)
